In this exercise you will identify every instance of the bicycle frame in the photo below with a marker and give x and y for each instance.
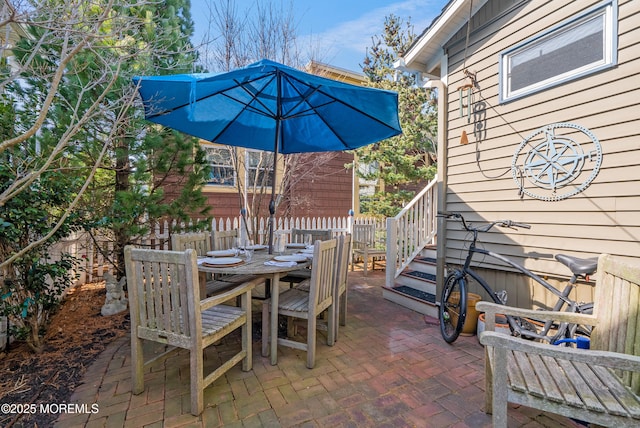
(562, 296)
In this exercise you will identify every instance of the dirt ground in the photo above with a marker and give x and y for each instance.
(78, 333)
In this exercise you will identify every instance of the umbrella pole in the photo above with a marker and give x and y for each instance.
(272, 203)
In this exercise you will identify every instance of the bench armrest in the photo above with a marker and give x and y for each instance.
(613, 360)
(491, 309)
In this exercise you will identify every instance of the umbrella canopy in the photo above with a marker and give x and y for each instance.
(269, 106)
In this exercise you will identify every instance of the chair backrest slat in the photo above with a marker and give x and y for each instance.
(342, 266)
(163, 285)
(323, 272)
(223, 239)
(364, 233)
(199, 241)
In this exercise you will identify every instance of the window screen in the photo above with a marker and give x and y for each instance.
(259, 168)
(221, 164)
(573, 49)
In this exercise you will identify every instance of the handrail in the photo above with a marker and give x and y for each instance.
(410, 230)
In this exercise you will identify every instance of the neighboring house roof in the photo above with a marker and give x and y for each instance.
(426, 52)
(335, 73)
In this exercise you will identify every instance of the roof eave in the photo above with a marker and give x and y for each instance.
(426, 52)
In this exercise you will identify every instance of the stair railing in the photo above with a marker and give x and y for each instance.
(410, 230)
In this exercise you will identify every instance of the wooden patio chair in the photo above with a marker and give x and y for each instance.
(201, 243)
(223, 239)
(366, 247)
(300, 236)
(165, 307)
(342, 273)
(308, 305)
(342, 270)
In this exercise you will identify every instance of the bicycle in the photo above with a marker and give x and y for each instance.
(453, 298)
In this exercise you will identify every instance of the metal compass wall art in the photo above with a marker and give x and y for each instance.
(556, 162)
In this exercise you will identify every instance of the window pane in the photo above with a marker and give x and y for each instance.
(220, 161)
(259, 168)
(575, 48)
(559, 54)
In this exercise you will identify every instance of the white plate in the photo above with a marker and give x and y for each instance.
(221, 253)
(307, 251)
(291, 258)
(257, 247)
(296, 245)
(222, 261)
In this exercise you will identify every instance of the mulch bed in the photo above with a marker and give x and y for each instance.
(77, 334)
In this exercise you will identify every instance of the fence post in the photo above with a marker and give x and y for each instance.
(392, 251)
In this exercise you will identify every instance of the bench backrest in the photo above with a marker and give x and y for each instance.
(617, 307)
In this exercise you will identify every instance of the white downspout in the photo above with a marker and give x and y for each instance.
(442, 180)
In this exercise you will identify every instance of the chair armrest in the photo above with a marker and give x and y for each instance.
(230, 293)
(613, 360)
(491, 309)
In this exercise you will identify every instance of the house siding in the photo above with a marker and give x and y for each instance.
(324, 191)
(605, 217)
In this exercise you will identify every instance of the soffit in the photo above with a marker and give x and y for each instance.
(425, 54)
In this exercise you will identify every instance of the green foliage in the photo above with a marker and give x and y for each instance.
(406, 160)
(32, 285)
(89, 116)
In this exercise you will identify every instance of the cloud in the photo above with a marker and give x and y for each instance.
(353, 37)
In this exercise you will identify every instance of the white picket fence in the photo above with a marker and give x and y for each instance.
(94, 263)
(96, 254)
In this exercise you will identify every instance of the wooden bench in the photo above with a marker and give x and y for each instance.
(600, 385)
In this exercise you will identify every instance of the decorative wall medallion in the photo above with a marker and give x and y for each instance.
(556, 161)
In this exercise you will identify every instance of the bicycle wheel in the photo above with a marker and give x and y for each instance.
(571, 331)
(453, 307)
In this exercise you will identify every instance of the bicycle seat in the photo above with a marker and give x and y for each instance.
(577, 265)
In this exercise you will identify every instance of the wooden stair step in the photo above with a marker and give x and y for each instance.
(416, 294)
(424, 276)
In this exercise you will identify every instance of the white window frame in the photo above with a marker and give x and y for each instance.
(221, 165)
(266, 169)
(607, 10)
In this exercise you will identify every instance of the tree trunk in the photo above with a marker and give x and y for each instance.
(123, 171)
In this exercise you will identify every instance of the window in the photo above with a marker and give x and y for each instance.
(221, 163)
(577, 47)
(259, 168)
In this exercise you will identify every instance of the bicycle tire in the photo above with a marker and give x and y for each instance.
(570, 331)
(453, 307)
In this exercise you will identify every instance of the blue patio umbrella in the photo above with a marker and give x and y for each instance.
(272, 107)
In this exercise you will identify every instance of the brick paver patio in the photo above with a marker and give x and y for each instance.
(389, 368)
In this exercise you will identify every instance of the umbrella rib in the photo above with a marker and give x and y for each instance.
(317, 89)
(239, 84)
(254, 97)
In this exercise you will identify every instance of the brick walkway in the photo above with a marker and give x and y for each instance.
(389, 368)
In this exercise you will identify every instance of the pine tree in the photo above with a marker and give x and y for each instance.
(405, 161)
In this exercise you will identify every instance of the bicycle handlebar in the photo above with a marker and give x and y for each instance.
(503, 223)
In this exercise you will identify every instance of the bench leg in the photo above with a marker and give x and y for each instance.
(499, 388)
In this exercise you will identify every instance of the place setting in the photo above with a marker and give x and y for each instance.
(221, 261)
(286, 260)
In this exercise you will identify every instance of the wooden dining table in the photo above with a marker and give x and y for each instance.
(272, 274)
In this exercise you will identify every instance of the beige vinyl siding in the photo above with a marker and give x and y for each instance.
(605, 217)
